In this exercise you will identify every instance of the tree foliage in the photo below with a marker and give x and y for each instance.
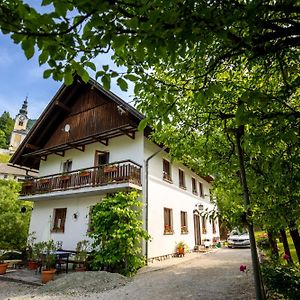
(14, 224)
(117, 233)
(6, 128)
(203, 70)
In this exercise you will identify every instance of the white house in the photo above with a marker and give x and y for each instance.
(86, 145)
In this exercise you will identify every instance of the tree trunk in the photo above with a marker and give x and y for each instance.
(259, 288)
(286, 245)
(296, 239)
(273, 243)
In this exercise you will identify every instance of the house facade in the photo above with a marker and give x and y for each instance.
(86, 145)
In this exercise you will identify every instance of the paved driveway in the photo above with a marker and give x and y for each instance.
(214, 276)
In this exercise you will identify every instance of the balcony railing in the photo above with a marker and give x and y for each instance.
(118, 172)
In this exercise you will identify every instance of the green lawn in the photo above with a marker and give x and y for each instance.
(260, 234)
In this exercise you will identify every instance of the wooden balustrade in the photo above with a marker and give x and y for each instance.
(118, 172)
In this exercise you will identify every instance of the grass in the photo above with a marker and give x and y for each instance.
(260, 234)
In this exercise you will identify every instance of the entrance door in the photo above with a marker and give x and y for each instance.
(197, 231)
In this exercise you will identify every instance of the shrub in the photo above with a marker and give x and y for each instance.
(263, 244)
(117, 233)
(282, 279)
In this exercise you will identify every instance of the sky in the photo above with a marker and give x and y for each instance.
(20, 77)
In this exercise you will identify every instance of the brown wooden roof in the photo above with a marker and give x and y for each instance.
(92, 113)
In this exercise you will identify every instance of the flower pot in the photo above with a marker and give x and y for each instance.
(3, 267)
(48, 275)
(180, 251)
(32, 265)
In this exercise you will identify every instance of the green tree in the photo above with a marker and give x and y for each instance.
(6, 128)
(117, 233)
(14, 223)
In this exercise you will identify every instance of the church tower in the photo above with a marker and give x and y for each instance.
(20, 128)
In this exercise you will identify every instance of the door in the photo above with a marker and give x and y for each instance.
(197, 231)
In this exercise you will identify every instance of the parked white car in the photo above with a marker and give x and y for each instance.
(238, 239)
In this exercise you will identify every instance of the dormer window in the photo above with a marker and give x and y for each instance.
(166, 170)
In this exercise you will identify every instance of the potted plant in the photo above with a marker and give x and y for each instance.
(35, 254)
(81, 255)
(180, 248)
(49, 262)
(3, 265)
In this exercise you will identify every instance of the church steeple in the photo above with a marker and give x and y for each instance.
(20, 128)
(23, 110)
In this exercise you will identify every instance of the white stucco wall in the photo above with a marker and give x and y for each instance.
(75, 229)
(163, 194)
(119, 148)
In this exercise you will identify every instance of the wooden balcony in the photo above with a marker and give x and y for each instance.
(118, 172)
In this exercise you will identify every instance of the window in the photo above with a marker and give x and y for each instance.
(194, 186)
(166, 170)
(168, 221)
(101, 158)
(21, 123)
(201, 190)
(203, 224)
(67, 166)
(183, 220)
(59, 219)
(181, 179)
(214, 227)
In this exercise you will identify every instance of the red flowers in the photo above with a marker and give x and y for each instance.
(286, 257)
(243, 268)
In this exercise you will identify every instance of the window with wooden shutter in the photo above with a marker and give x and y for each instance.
(194, 186)
(183, 220)
(201, 191)
(59, 220)
(167, 170)
(101, 158)
(67, 166)
(181, 179)
(168, 221)
(203, 224)
(214, 226)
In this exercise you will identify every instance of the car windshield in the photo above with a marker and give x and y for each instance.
(237, 232)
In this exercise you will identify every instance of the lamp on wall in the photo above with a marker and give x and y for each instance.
(199, 207)
(75, 215)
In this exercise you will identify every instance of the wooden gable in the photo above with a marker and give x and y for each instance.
(88, 112)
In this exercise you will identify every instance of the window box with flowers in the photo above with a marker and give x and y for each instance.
(168, 229)
(184, 230)
(85, 173)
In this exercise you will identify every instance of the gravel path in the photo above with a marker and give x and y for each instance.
(212, 276)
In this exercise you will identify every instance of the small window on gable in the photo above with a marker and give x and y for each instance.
(166, 170)
(168, 221)
(183, 220)
(21, 123)
(59, 217)
(201, 191)
(67, 166)
(194, 186)
(181, 179)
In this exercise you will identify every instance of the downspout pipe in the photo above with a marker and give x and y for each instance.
(147, 193)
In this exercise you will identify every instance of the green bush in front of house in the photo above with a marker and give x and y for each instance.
(14, 220)
(116, 229)
(282, 279)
